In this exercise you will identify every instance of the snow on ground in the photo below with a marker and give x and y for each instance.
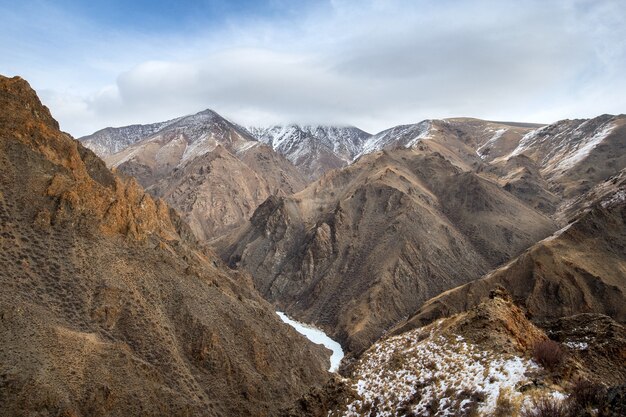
(204, 144)
(564, 144)
(527, 141)
(577, 345)
(432, 375)
(403, 135)
(317, 336)
(497, 135)
(617, 198)
(247, 145)
(584, 147)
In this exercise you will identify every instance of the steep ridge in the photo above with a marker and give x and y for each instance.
(314, 149)
(208, 168)
(482, 362)
(465, 139)
(575, 155)
(108, 305)
(521, 176)
(365, 246)
(543, 165)
(490, 139)
(457, 366)
(112, 140)
(579, 269)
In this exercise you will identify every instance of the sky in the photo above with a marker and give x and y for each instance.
(369, 63)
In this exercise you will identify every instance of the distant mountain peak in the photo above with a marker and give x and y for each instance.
(314, 149)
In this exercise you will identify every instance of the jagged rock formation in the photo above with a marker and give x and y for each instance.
(108, 306)
(365, 246)
(314, 149)
(208, 168)
(579, 269)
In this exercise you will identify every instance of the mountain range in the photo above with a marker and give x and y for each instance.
(142, 266)
(397, 217)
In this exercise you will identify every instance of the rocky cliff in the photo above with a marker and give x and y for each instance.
(108, 306)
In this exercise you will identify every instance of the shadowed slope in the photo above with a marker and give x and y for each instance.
(363, 247)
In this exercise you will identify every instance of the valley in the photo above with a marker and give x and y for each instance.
(414, 271)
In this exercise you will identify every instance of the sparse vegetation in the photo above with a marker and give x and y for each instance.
(505, 407)
(546, 407)
(585, 395)
(549, 354)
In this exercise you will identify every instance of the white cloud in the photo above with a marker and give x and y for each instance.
(370, 64)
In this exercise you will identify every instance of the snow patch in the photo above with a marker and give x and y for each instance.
(617, 198)
(490, 142)
(428, 374)
(577, 345)
(584, 147)
(203, 145)
(404, 135)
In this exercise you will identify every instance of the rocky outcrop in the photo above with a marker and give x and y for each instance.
(468, 364)
(109, 307)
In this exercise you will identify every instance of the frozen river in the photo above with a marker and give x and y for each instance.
(315, 335)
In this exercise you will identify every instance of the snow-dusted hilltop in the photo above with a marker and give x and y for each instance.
(576, 154)
(111, 140)
(314, 149)
(212, 170)
(403, 135)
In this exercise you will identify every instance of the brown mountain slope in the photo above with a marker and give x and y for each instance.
(208, 168)
(580, 269)
(544, 166)
(466, 142)
(363, 247)
(107, 306)
(521, 176)
(219, 191)
(489, 139)
(575, 155)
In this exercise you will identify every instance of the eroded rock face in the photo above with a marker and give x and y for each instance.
(580, 269)
(108, 306)
(363, 247)
(596, 345)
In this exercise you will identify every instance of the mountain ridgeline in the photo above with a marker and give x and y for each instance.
(439, 254)
(395, 218)
(213, 171)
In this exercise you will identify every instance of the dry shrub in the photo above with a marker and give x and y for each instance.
(584, 394)
(505, 407)
(549, 354)
(546, 407)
